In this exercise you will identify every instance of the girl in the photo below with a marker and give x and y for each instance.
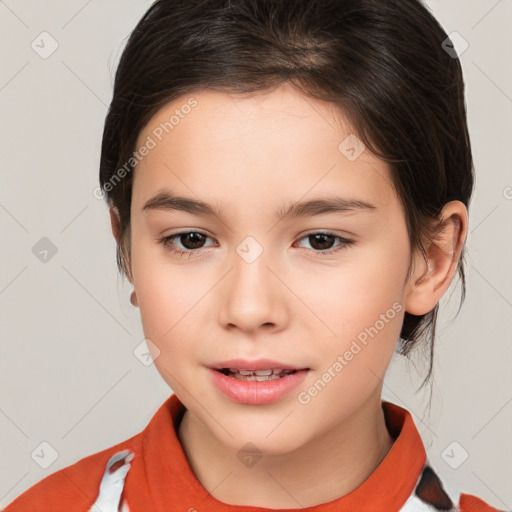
(288, 185)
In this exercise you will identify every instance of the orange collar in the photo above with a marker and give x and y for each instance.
(171, 479)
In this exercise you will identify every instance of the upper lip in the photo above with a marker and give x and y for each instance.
(256, 364)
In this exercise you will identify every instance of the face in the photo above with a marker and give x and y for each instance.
(320, 289)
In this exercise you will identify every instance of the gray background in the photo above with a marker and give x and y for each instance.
(69, 376)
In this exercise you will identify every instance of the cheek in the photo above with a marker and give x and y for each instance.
(163, 286)
(362, 303)
(169, 303)
(353, 295)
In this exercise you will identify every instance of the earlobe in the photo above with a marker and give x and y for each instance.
(433, 276)
(420, 299)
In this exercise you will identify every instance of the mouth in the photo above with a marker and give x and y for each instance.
(257, 375)
(256, 382)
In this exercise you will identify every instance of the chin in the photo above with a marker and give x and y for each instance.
(246, 437)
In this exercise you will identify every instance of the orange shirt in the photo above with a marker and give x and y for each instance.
(150, 472)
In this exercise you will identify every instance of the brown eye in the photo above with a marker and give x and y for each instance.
(321, 241)
(192, 240)
(185, 243)
(324, 244)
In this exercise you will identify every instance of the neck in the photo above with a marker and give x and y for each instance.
(328, 467)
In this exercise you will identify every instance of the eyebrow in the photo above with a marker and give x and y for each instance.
(165, 200)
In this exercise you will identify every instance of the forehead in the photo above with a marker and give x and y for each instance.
(284, 104)
(277, 143)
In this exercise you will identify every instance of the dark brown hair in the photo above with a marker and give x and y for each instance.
(381, 62)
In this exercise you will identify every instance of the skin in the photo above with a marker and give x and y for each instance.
(251, 155)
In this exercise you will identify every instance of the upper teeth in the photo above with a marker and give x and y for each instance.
(258, 372)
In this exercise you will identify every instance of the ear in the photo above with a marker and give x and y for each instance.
(115, 222)
(431, 277)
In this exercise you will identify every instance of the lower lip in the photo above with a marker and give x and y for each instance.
(257, 392)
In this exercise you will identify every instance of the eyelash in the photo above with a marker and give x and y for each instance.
(344, 243)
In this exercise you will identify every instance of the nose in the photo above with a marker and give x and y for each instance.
(253, 297)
